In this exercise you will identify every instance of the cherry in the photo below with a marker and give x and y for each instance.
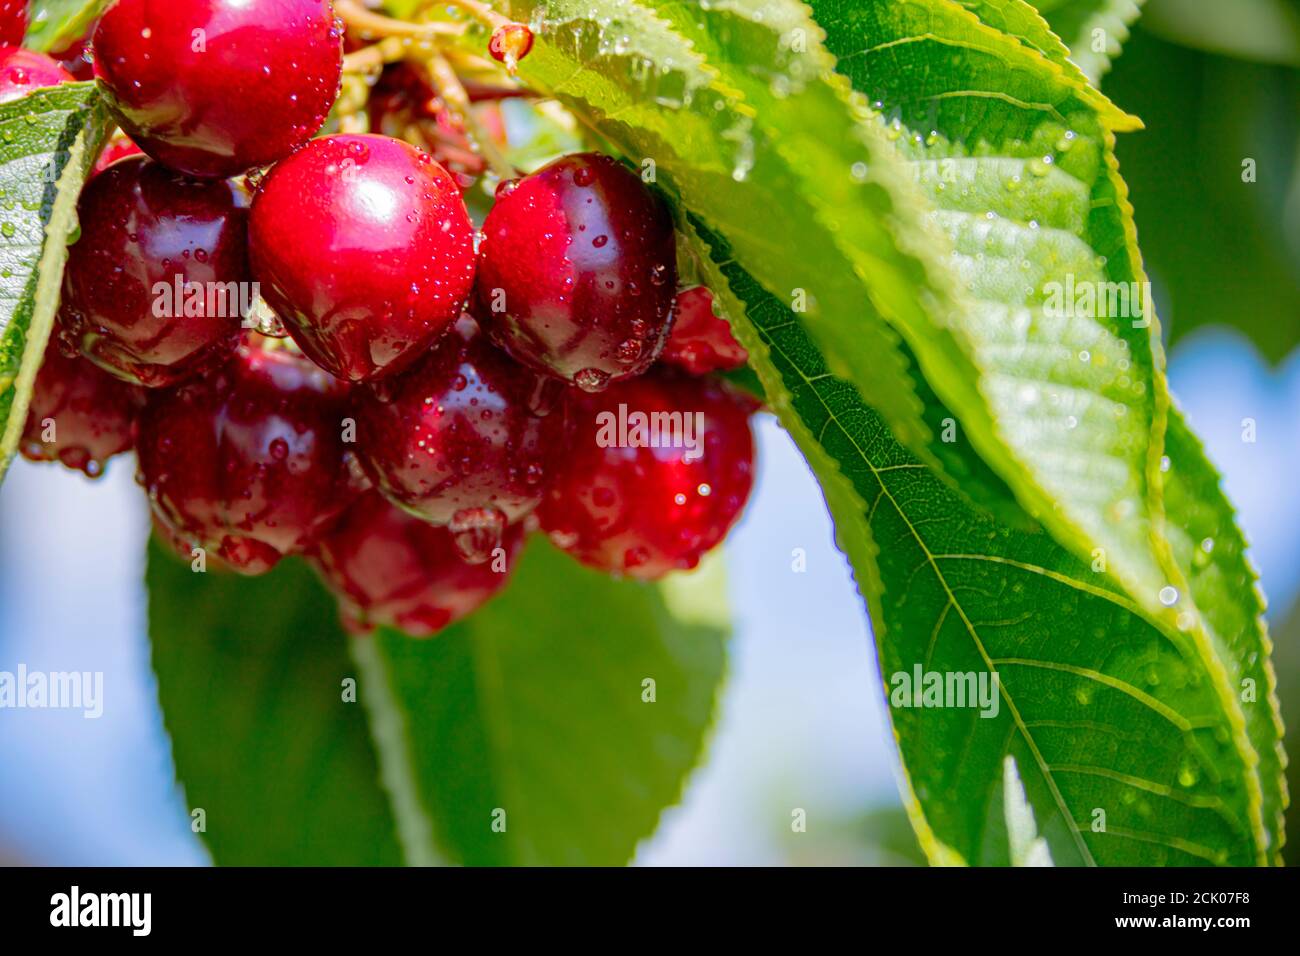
(510, 43)
(22, 71)
(249, 461)
(156, 287)
(86, 415)
(625, 507)
(465, 438)
(363, 246)
(214, 87)
(577, 271)
(13, 22)
(390, 569)
(701, 342)
(119, 147)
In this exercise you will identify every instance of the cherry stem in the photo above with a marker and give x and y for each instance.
(480, 12)
(452, 91)
(374, 24)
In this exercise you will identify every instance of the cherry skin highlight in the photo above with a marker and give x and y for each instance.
(249, 461)
(87, 415)
(465, 438)
(363, 247)
(577, 271)
(388, 568)
(645, 511)
(253, 83)
(22, 71)
(701, 342)
(155, 286)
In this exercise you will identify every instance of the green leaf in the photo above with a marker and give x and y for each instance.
(533, 705)
(56, 24)
(1223, 131)
(1035, 201)
(1087, 25)
(48, 144)
(532, 716)
(1100, 709)
(251, 677)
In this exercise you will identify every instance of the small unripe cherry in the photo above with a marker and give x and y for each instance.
(466, 438)
(22, 71)
(363, 246)
(701, 342)
(79, 415)
(578, 270)
(390, 569)
(510, 43)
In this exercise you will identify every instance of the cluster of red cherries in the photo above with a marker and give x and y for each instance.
(429, 394)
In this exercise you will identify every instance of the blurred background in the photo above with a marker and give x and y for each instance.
(802, 721)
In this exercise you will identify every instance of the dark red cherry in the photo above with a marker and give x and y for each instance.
(78, 414)
(22, 71)
(465, 438)
(215, 87)
(13, 22)
(701, 342)
(577, 271)
(659, 470)
(119, 147)
(363, 247)
(390, 569)
(157, 285)
(249, 462)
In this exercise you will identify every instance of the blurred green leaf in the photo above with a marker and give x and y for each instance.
(533, 706)
(251, 677)
(1267, 31)
(48, 143)
(523, 735)
(1216, 245)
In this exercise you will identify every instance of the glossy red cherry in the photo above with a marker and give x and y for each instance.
(577, 271)
(465, 438)
(13, 22)
(250, 461)
(363, 247)
(157, 285)
(390, 569)
(78, 415)
(659, 470)
(701, 342)
(119, 147)
(215, 87)
(22, 71)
